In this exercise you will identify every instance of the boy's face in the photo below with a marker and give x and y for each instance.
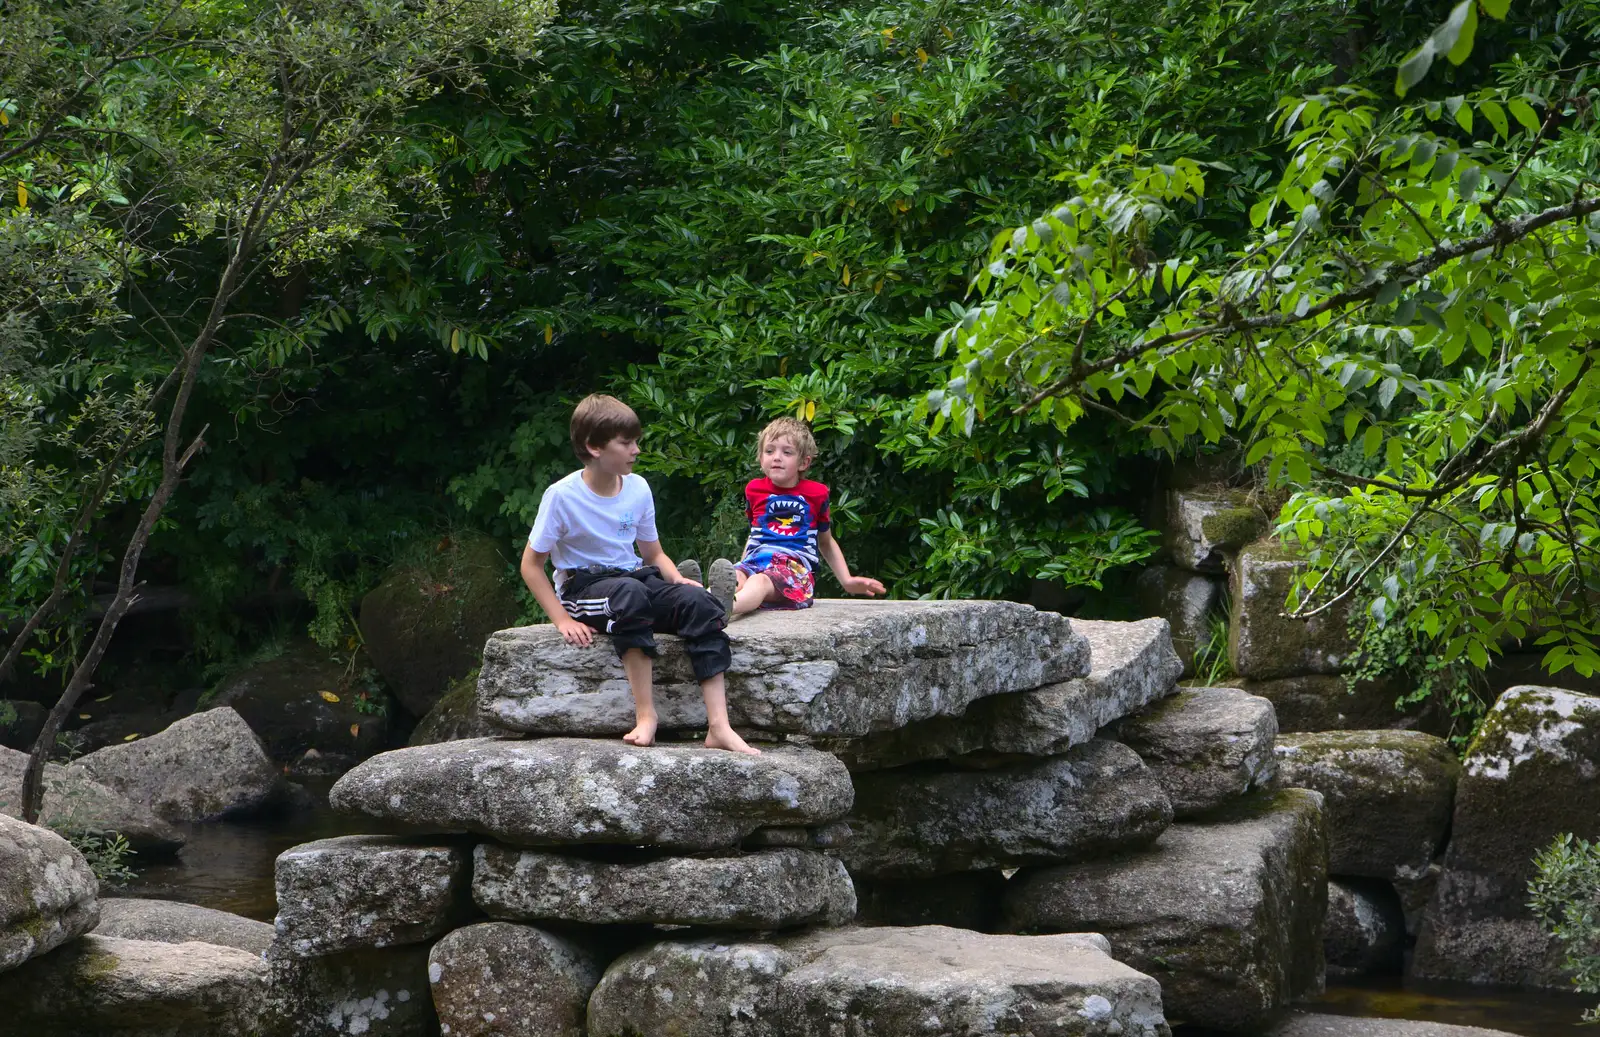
(616, 457)
(782, 462)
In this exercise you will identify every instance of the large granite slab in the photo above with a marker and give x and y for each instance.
(927, 980)
(554, 791)
(1228, 915)
(1131, 665)
(840, 668)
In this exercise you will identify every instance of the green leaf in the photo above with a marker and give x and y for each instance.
(1413, 68)
(1371, 440)
(1496, 9)
(1496, 115)
(1523, 113)
(1461, 46)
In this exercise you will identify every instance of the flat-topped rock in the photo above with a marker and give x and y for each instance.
(369, 891)
(1206, 746)
(1097, 798)
(101, 986)
(1131, 665)
(769, 889)
(840, 668)
(889, 981)
(1228, 914)
(168, 921)
(47, 892)
(555, 791)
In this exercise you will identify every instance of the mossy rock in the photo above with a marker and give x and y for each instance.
(1529, 776)
(425, 625)
(1205, 527)
(1262, 642)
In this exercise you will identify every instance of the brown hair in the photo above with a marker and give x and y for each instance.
(597, 420)
(792, 429)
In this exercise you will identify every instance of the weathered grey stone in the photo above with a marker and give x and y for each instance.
(1314, 702)
(578, 790)
(1307, 1024)
(206, 766)
(889, 981)
(454, 717)
(101, 986)
(1529, 776)
(369, 891)
(1386, 795)
(1098, 798)
(496, 978)
(1205, 746)
(1365, 931)
(768, 889)
(966, 900)
(1186, 600)
(822, 837)
(376, 993)
(1206, 526)
(75, 802)
(47, 892)
(841, 668)
(168, 921)
(425, 625)
(1132, 664)
(1262, 643)
(1228, 914)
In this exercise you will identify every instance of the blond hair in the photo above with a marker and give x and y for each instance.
(597, 420)
(797, 432)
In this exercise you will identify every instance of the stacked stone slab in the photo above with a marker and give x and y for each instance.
(914, 754)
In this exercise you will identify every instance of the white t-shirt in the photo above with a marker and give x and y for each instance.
(578, 527)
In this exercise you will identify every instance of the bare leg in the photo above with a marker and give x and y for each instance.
(753, 591)
(719, 734)
(640, 670)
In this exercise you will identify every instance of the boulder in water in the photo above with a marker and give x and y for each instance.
(1097, 798)
(204, 767)
(556, 791)
(47, 892)
(1529, 776)
(168, 921)
(498, 978)
(922, 980)
(1228, 914)
(768, 889)
(101, 986)
(75, 802)
(369, 891)
(840, 668)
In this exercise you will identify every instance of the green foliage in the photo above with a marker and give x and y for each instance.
(1565, 897)
(107, 854)
(8, 714)
(1211, 662)
(1385, 651)
(1421, 283)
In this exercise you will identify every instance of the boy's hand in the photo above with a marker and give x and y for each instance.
(574, 632)
(864, 585)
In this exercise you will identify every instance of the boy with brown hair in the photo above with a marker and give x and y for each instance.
(589, 525)
(790, 527)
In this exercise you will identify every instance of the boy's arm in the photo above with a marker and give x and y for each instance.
(652, 554)
(833, 554)
(572, 631)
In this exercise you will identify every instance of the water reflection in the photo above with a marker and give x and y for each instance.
(228, 865)
(1526, 1012)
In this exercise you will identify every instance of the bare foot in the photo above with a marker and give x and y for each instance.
(643, 733)
(727, 738)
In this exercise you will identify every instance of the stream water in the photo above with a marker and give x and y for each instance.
(228, 866)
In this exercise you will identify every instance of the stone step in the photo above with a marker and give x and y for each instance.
(923, 980)
(1205, 746)
(169, 921)
(555, 791)
(840, 668)
(1097, 798)
(1228, 914)
(1131, 665)
(101, 985)
(768, 889)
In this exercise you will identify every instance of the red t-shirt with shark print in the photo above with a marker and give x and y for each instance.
(785, 518)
